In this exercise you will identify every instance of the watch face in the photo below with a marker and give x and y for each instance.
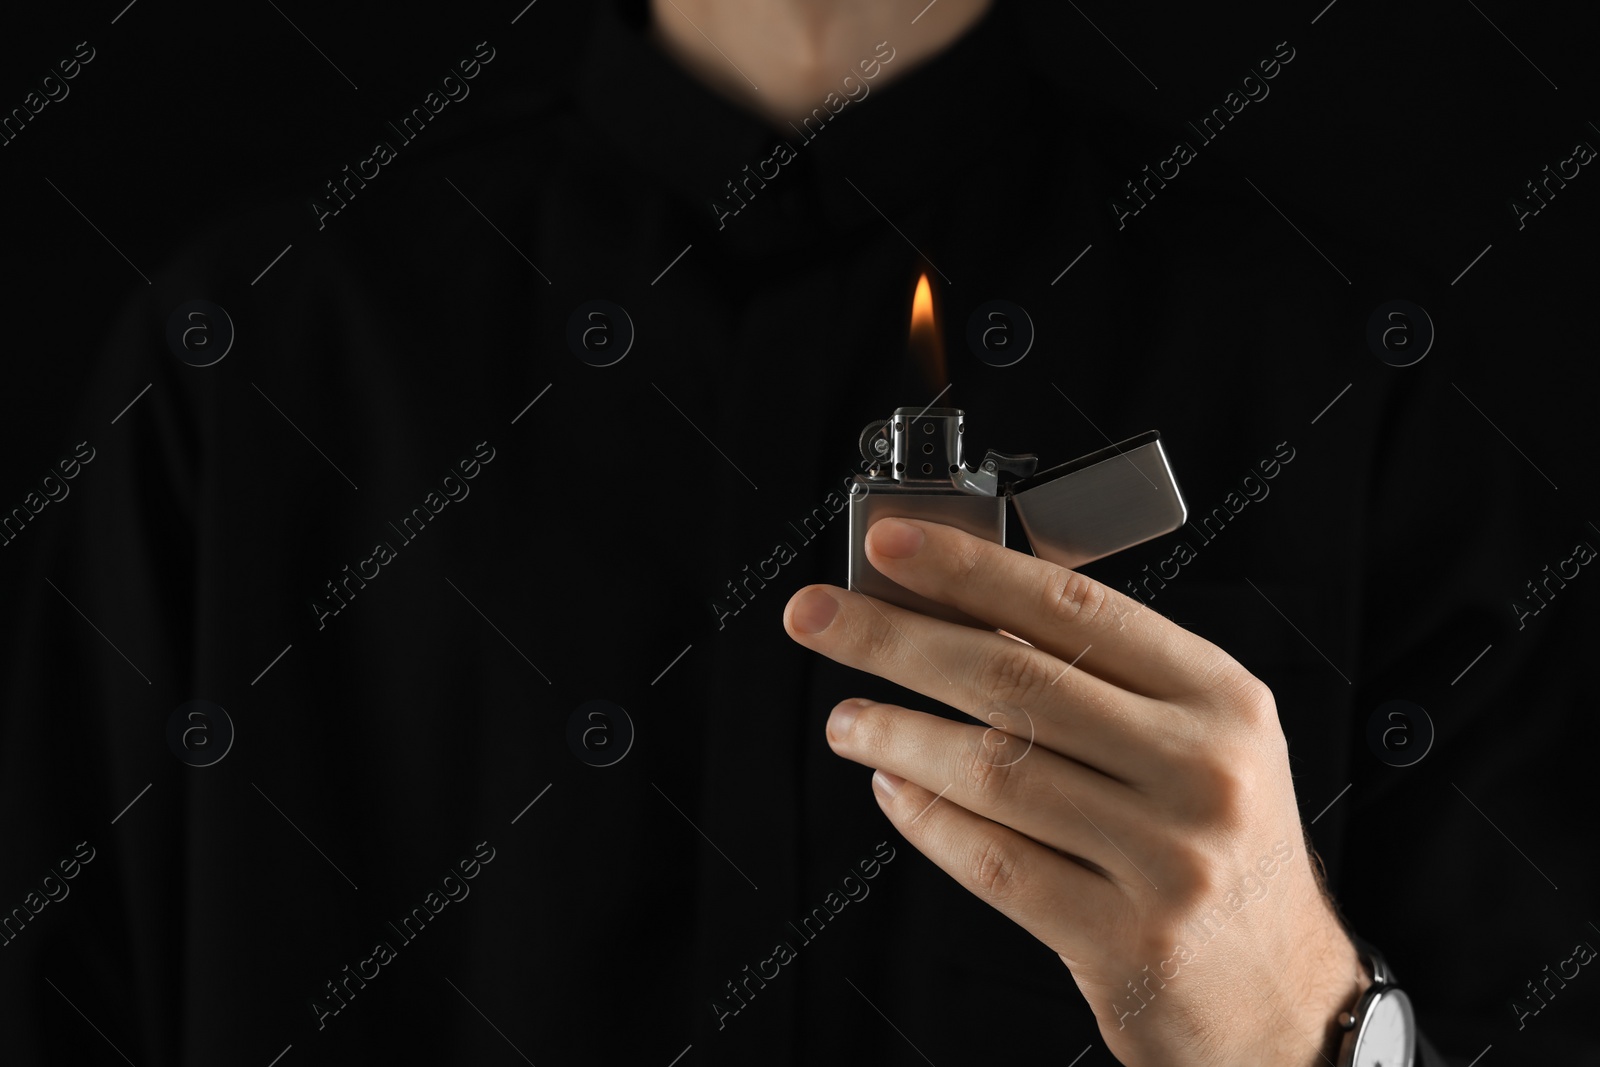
(1388, 1033)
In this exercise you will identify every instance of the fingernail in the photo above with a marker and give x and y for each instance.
(886, 783)
(842, 718)
(896, 539)
(814, 611)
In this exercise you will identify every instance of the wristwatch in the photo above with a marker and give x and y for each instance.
(1380, 1031)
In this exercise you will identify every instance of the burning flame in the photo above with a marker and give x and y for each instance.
(926, 343)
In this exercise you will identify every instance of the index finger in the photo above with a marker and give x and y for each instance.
(1060, 611)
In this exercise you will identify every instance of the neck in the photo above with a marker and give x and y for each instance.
(781, 58)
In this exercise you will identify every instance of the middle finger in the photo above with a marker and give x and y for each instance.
(997, 680)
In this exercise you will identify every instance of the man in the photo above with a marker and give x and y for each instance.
(424, 517)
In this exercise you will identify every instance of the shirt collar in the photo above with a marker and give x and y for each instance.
(883, 156)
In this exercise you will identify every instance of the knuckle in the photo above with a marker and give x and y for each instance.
(1252, 700)
(1236, 690)
(878, 642)
(1190, 872)
(1012, 674)
(968, 557)
(1222, 785)
(1233, 790)
(995, 870)
(985, 772)
(1074, 597)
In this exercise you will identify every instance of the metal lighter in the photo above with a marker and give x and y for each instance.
(1072, 514)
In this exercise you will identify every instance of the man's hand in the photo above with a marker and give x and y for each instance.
(1127, 800)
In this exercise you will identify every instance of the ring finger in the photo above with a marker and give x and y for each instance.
(1050, 798)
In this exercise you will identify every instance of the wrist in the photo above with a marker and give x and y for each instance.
(1332, 981)
(1336, 1029)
